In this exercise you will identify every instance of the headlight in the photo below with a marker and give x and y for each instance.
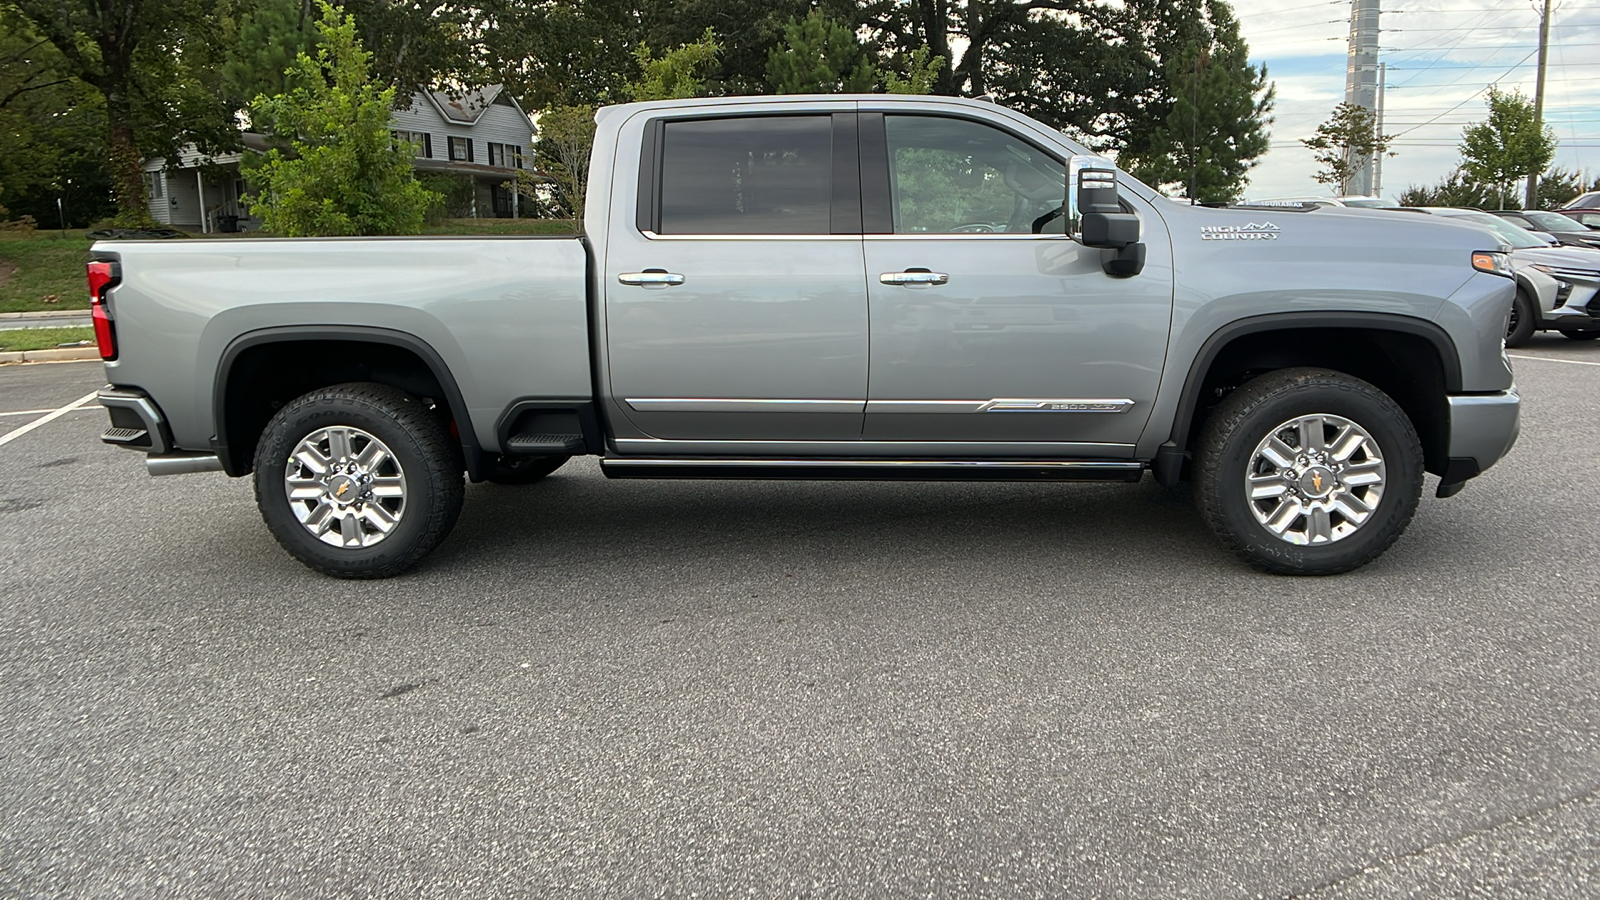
(1493, 262)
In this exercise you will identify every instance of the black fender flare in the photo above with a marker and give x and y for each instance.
(1168, 464)
(471, 451)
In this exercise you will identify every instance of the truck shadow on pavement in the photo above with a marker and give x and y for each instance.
(570, 520)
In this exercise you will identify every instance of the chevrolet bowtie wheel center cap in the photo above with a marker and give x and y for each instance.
(345, 486)
(1315, 479)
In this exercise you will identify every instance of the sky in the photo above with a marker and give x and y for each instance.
(1442, 56)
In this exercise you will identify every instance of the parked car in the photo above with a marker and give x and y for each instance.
(1589, 218)
(749, 260)
(1563, 229)
(1573, 309)
(1590, 200)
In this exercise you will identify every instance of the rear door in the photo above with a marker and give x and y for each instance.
(734, 300)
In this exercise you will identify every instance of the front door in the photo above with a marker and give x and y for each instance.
(982, 329)
(734, 306)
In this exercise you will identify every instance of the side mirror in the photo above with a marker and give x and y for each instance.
(1097, 219)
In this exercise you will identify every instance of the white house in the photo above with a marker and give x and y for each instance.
(483, 135)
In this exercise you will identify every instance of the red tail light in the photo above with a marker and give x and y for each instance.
(102, 274)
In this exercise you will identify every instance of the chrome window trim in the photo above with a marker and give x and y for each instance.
(962, 236)
(652, 236)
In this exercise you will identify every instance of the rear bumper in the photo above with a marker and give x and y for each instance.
(1483, 428)
(137, 423)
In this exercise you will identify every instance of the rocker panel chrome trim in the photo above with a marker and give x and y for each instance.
(1000, 405)
(704, 404)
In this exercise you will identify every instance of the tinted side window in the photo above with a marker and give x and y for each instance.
(767, 175)
(955, 176)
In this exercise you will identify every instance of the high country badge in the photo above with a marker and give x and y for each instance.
(1266, 231)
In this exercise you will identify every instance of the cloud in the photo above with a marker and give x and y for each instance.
(1442, 56)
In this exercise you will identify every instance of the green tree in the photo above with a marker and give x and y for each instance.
(820, 56)
(566, 135)
(921, 71)
(340, 172)
(1456, 189)
(1343, 145)
(154, 65)
(678, 74)
(1508, 146)
(52, 133)
(1557, 187)
(1218, 107)
(267, 39)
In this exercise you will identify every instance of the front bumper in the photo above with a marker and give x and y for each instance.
(1483, 428)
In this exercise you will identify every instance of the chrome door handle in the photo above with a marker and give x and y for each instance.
(914, 276)
(650, 276)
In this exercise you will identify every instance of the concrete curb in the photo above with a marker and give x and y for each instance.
(59, 354)
(46, 314)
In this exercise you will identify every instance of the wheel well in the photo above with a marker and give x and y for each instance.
(1405, 366)
(263, 377)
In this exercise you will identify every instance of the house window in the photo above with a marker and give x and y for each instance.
(461, 149)
(421, 139)
(506, 156)
(155, 183)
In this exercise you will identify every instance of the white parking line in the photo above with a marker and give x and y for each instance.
(46, 419)
(1570, 362)
(36, 412)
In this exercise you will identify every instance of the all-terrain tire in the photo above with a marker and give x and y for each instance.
(418, 458)
(1231, 452)
(1524, 319)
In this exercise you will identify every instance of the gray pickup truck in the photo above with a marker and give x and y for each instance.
(831, 287)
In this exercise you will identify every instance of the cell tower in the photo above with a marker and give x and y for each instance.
(1361, 77)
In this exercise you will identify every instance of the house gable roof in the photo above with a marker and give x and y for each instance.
(468, 108)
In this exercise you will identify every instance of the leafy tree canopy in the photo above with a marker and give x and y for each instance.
(1217, 106)
(338, 172)
(1343, 145)
(155, 65)
(1509, 145)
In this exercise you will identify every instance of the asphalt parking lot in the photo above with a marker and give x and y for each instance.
(718, 689)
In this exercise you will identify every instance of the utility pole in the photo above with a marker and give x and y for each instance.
(1377, 164)
(1361, 77)
(1538, 100)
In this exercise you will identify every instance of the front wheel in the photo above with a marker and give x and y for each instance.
(358, 480)
(1577, 335)
(1524, 318)
(1308, 472)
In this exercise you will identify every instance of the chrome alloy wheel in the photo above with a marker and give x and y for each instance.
(345, 486)
(1315, 479)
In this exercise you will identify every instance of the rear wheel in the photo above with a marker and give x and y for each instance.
(1308, 472)
(1524, 318)
(358, 480)
(1577, 335)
